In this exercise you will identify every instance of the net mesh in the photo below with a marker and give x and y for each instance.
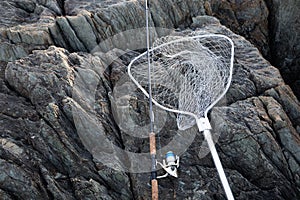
(187, 73)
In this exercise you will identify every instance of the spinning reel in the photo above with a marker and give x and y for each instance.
(170, 165)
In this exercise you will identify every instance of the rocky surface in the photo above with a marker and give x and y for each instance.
(272, 26)
(61, 82)
(285, 39)
(246, 18)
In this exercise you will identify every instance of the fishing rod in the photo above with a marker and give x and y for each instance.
(152, 141)
(171, 161)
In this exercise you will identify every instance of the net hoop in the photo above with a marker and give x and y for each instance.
(182, 40)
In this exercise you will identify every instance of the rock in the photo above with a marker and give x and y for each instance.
(250, 19)
(9, 52)
(271, 25)
(255, 141)
(37, 36)
(16, 12)
(284, 95)
(90, 189)
(47, 124)
(73, 126)
(246, 18)
(284, 40)
(24, 27)
(202, 21)
(99, 25)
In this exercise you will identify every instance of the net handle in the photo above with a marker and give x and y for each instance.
(218, 164)
(180, 40)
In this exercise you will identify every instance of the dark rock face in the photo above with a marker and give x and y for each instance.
(57, 70)
(246, 18)
(272, 26)
(285, 39)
